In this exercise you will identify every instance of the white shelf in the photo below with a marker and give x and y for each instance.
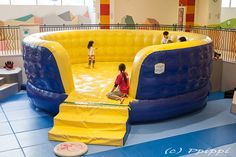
(4, 71)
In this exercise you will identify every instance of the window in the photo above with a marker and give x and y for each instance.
(73, 2)
(233, 3)
(49, 2)
(23, 2)
(225, 3)
(4, 2)
(89, 2)
(228, 3)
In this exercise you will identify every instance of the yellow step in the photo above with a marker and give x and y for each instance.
(99, 118)
(101, 122)
(91, 124)
(90, 110)
(88, 136)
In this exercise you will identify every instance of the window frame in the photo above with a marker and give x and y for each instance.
(229, 4)
(9, 3)
(37, 4)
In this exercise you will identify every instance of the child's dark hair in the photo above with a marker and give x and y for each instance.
(122, 70)
(165, 33)
(90, 44)
(181, 39)
(217, 54)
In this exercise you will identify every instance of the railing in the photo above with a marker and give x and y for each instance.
(10, 41)
(223, 39)
(47, 28)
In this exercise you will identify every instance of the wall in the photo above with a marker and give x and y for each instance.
(207, 12)
(92, 10)
(164, 11)
(201, 12)
(214, 12)
(97, 8)
(12, 12)
(227, 13)
(228, 80)
(221, 77)
(216, 75)
(112, 11)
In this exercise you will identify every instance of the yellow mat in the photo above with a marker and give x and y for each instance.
(92, 85)
(104, 125)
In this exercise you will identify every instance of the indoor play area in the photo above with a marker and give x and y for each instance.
(161, 84)
(104, 79)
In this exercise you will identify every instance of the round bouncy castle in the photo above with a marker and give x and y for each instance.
(165, 80)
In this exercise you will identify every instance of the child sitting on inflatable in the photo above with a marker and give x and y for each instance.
(122, 82)
(165, 37)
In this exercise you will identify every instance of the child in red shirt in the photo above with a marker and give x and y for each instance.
(122, 82)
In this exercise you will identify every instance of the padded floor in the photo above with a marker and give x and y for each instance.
(213, 127)
(92, 85)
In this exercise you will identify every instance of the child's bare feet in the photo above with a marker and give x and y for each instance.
(122, 100)
(126, 95)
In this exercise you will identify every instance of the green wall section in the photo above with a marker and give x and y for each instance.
(231, 23)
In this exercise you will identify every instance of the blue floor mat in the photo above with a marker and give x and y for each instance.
(215, 96)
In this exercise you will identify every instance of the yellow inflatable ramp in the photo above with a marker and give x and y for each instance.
(104, 124)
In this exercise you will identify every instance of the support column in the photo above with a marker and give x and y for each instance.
(104, 12)
(189, 11)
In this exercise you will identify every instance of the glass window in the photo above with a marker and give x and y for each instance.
(89, 2)
(233, 3)
(225, 3)
(73, 2)
(23, 2)
(49, 2)
(4, 2)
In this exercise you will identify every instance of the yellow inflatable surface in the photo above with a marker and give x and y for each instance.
(92, 85)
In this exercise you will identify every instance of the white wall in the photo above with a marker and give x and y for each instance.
(227, 13)
(164, 11)
(214, 12)
(228, 80)
(112, 11)
(92, 10)
(201, 12)
(207, 12)
(15, 11)
(97, 8)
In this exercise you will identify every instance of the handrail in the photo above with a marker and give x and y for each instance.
(223, 38)
(10, 41)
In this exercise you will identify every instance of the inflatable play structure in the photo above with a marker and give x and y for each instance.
(165, 80)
